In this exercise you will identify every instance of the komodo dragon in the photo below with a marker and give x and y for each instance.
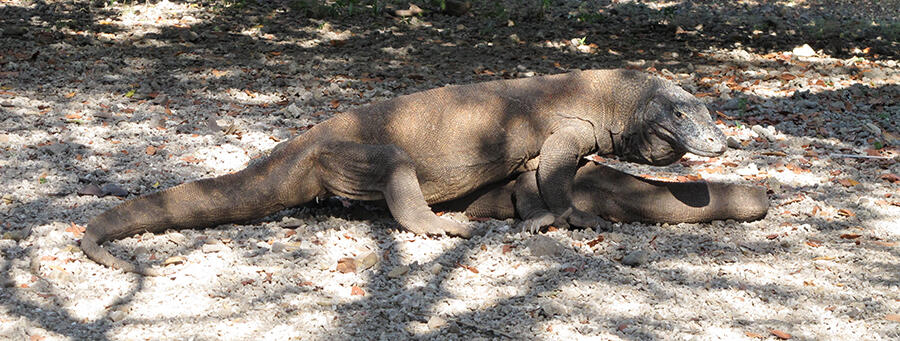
(435, 146)
(619, 197)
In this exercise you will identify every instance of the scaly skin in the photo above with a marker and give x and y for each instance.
(620, 197)
(439, 145)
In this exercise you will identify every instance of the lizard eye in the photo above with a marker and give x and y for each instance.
(678, 114)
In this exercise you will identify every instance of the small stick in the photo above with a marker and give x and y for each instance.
(854, 156)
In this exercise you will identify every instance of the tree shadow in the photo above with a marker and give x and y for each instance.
(175, 59)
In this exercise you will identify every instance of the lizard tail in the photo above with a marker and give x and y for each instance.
(245, 195)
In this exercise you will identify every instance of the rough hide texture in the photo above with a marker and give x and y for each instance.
(620, 197)
(477, 134)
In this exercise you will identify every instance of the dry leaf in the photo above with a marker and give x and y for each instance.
(814, 243)
(892, 178)
(76, 230)
(247, 282)
(892, 317)
(754, 335)
(772, 236)
(346, 265)
(357, 291)
(174, 260)
(507, 248)
(70, 95)
(846, 212)
(335, 104)
(824, 258)
(850, 236)
(151, 150)
(780, 334)
(467, 267)
(884, 243)
(848, 182)
(191, 159)
(570, 269)
(595, 241)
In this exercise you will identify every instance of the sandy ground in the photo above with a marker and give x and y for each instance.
(135, 98)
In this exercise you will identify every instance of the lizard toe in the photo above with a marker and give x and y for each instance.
(583, 219)
(535, 224)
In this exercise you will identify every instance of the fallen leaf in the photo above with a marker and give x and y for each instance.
(848, 182)
(70, 95)
(190, 158)
(357, 291)
(892, 178)
(73, 116)
(884, 243)
(772, 236)
(774, 153)
(151, 150)
(467, 267)
(892, 317)
(346, 265)
(754, 335)
(824, 258)
(780, 334)
(850, 236)
(76, 230)
(846, 212)
(507, 248)
(335, 104)
(570, 269)
(814, 243)
(174, 260)
(595, 241)
(247, 282)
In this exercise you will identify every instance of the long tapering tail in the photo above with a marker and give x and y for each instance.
(251, 193)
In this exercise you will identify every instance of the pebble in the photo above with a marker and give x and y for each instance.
(398, 271)
(635, 258)
(367, 261)
(215, 245)
(733, 142)
(551, 307)
(768, 133)
(91, 189)
(436, 322)
(114, 190)
(804, 51)
(117, 315)
(278, 247)
(543, 246)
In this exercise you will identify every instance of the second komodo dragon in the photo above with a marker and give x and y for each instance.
(438, 145)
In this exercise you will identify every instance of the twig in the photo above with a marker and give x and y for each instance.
(854, 156)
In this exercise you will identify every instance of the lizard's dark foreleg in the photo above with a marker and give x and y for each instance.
(560, 155)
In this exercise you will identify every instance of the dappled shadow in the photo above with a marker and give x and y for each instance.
(174, 67)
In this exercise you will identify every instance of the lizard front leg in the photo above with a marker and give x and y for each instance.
(560, 155)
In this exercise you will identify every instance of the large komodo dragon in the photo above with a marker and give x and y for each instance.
(436, 146)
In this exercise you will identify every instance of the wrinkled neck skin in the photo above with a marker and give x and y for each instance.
(644, 146)
(643, 139)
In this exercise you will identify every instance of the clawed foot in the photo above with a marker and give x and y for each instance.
(570, 217)
(582, 219)
(436, 226)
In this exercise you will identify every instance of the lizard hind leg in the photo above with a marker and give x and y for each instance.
(372, 172)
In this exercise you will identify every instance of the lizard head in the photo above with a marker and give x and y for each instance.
(668, 125)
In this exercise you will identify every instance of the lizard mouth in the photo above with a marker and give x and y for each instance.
(709, 142)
